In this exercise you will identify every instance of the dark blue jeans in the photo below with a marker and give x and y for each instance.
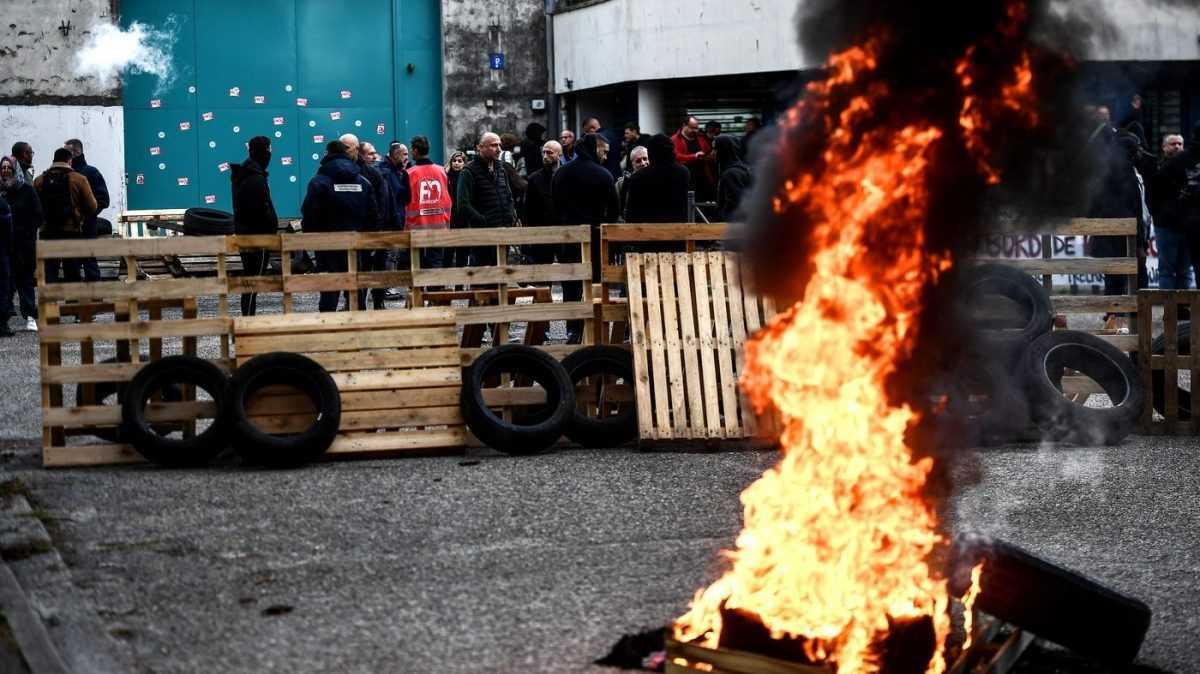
(91, 269)
(1173, 265)
(6, 288)
(331, 262)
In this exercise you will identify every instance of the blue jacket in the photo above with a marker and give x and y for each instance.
(99, 187)
(397, 181)
(339, 198)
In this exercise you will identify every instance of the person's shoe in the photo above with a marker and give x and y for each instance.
(31, 324)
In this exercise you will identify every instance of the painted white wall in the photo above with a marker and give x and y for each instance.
(650, 115)
(634, 40)
(45, 127)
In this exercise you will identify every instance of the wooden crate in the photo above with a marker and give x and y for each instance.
(140, 309)
(351, 243)
(397, 370)
(688, 658)
(690, 316)
(1170, 363)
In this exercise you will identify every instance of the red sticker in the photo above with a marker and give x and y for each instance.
(380, 129)
(184, 126)
(140, 179)
(182, 182)
(210, 198)
(285, 161)
(155, 103)
(259, 100)
(335, 116)
(302, 102)
(345, 93)
(208, 116)
(223, 166)
(278, 121)
(318, 139)
(235, 91)
(155, 151)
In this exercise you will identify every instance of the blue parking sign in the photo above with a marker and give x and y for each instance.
(497, 61)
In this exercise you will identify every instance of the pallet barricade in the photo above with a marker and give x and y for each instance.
(1161, 372)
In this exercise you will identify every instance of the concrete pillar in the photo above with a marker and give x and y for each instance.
(650, 107)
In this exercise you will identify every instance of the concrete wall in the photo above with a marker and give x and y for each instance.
(45, 127)
(472, 29)
(36, 58)
(1150, 30)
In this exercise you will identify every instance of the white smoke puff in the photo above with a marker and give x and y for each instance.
(141, 48)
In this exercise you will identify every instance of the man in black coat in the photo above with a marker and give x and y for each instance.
(485, 198)
(253, 210)
(339, 199)
(539, 202)
(386, 217)
(584, 194)
(91, 270)
(735, 178)
(658, 193)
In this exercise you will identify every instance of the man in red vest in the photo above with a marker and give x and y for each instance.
(429, 201)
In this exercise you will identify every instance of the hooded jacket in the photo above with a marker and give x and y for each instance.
(253, 210)
(95, 181)
(735, 177)
(658, 193)
(397, 182)
(83, 202)
(584, 191)
(385, 204)
(26, 207)
(339, 198)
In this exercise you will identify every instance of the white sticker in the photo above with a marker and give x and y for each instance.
(287, 87)
(345, 93)
(210, 198)
(285, 161)
(235, 91)
(312, 122)
(293, 178)
(223, 166)
(347, 187)
(192, 89)
(182, 182)
(316, 156)
(278, 121)
(237, 129)
(208, 116)
(184, 126)
(279, 134)
(318, 139)
(380, 129)
(140, 179)
(155, 151)
(162, 134)
(335, 116)
(155, 103)
(259, 100)
(162, 166)
(302, 102)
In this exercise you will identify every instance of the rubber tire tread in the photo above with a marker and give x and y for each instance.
(1158, 347)
(258, 447)
(207, 222)
(107, 388)
(513, 438)
(1010, 282)
(610, 431)
(1053, 602)
(157, 375)
(1065, 421)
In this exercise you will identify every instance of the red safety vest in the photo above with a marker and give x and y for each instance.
(430, 203)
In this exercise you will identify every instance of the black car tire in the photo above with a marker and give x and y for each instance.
(541, 428)
(171, 393)
(601, 359)
(1006, 345)
(159, 376)
(1049, 356)
(1052, 602)
(259, 447)
(207, 222)
(1183, 345)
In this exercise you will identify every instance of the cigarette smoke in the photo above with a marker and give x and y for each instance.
(140, 48)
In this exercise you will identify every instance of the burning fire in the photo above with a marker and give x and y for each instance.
(969, 604)
(838, 536)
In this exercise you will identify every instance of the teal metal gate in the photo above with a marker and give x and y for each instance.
(301, 72)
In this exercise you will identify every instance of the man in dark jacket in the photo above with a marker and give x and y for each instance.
(539, 202)
(24, 153)
(253, 210)
(1166, 189)
(612, 162)
(339, 199)
(27, 221)
(658, 193)
(67, 202)
(1180, 177)
(6, 229)
(735, 177)
(531, 149)
(484, 196)
(584, 194)
(386, 220)
(91, 270)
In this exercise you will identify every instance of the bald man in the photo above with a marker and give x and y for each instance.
(484, 196)
(351, 142)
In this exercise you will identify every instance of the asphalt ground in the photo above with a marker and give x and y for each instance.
(485, 563)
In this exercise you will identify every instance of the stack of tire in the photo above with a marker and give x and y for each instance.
(1021, 368)
(207, 222)
(534, 429)
(231, 424)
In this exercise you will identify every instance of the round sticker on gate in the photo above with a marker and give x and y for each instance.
(316, 156)
(237, 129)
(279, 134)
(293, 179)
(162, 166)
(162, 134)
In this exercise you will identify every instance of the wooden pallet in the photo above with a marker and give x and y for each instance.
(1170, 363)
(397, 370)
(690, 316)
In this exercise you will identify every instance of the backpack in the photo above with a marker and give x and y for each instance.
(58, 204)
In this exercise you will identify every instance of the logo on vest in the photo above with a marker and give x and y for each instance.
(347, 187)
(429, 191)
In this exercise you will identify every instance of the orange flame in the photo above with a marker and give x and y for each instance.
(969, 605)
(837, 536)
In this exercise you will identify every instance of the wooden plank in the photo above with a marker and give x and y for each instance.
(658, 354)
(517, 313)
(1122, 342)
(674, 346)
(737, 319)
(384, 442)
(682, 231)
(388, 359)
(384, 399)
(383, 279)
(1079, 385)
(363, 420)
(199, 327)
(1072, 265)
(1081, 227)
(103, 372)
(1170, 350)
(690, 344)
(325, 241)
(121, 290)
(729, 390)
(528, 273)
(241, 242)
(394, 379)
(641, 365)
(616, 311)
(501, 236)
(54, 249)
(110, 415)
(733, 661)
(254, 284)
(1099, 304)
(708, 346)
(559, 351)
(313, 283)
(355, 341)
(342, 321)
(89, 455)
